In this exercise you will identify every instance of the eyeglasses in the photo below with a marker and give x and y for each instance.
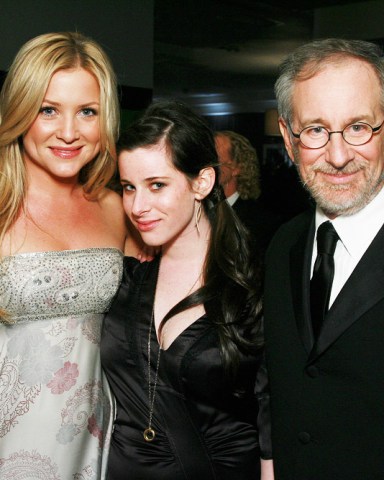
(355, 134)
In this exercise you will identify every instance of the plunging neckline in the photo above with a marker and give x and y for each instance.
(153, 298)
(182, 333)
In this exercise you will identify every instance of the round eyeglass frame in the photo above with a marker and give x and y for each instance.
(373, 130)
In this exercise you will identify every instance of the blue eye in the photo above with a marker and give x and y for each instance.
(128, 188)
(88, 112)
(358, 129)
(47, 111)
(315, 131)
(157, 185)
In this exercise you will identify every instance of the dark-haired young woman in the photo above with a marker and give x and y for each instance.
(182, 343)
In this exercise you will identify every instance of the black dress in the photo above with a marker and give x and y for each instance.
(206, 427)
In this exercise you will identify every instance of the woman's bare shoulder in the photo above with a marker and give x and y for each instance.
(111, 205)
(111, 198)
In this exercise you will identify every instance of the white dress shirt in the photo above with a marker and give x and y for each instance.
(232, 198)
(356, 233)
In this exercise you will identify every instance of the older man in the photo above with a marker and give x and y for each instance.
(324, 301)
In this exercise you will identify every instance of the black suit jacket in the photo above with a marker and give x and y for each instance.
(327, 397)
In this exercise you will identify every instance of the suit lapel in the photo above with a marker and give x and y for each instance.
(363, 289)
(300, 264)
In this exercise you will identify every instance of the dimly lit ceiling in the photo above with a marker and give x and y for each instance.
(221, 56)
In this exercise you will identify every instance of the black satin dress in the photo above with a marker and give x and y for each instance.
(206, 427)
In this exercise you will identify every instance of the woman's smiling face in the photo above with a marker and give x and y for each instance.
(65, 135)
(158, 199)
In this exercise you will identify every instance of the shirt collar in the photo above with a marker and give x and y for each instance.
(357, 231)
(232, 198)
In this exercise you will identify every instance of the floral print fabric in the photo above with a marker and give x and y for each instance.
(55, 405)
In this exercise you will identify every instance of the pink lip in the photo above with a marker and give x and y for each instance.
(146, 226)
(340, 179)
(66, 152)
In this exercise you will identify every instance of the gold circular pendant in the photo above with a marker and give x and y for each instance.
(149, 434)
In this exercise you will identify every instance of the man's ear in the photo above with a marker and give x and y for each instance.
(203, 184)
(285, 132)
(235, 170)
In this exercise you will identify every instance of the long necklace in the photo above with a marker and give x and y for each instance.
(149, 433)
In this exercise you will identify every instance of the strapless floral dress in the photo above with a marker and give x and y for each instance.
(56, 409)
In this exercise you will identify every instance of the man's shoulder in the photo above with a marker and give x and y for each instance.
(300, 221)
(288, 232)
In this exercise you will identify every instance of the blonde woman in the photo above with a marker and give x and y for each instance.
(62, 233)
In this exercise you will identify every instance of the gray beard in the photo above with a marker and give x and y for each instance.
(332, 206)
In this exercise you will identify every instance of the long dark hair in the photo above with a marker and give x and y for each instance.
(231, 290)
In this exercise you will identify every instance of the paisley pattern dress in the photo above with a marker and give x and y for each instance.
(55, 405)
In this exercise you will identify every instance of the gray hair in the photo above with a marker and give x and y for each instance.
(245, 156)
(310, 58)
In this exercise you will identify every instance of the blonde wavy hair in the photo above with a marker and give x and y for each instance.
(245, 156)
(20, 101)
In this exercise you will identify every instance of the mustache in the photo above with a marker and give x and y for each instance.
(351, 167)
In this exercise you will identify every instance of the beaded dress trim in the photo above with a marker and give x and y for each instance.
(35, 286)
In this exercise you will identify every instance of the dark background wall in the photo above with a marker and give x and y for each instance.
(123, 27)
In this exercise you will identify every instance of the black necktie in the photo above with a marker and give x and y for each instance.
(323, 272)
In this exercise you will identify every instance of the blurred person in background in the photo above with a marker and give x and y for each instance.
(240, 179)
